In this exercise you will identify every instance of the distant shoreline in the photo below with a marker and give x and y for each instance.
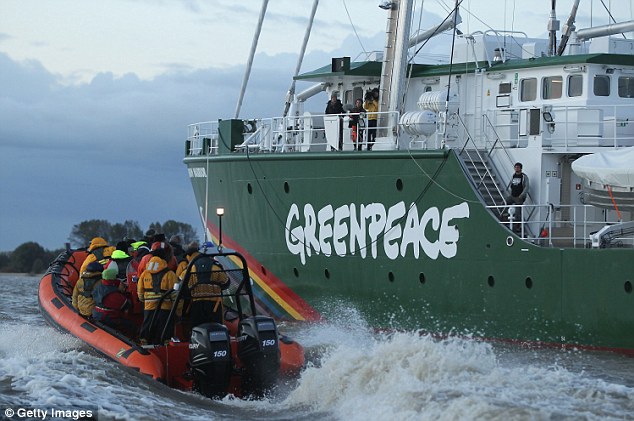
(19, 274)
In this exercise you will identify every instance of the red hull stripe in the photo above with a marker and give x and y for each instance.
(285, 297)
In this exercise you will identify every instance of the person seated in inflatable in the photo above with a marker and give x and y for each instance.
(82, 298)
(111, 303)
(119, 261)
(156, 291)
(206, 281)
(99, 251)
(140, 249)
(205, 284)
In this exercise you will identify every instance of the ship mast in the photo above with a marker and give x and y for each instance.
(568, 28)
(300, 58)
(394, 67)
(553, 27)
(254, 45)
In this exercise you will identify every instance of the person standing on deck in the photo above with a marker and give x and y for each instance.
(371, 106)
(334, 106)
(356, 116)
(518, 189)
(518, 186)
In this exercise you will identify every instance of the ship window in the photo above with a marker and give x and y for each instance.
(602, 85)
(357, 93)
(505, 88)
(528, 89)
(575, 85)
(348, 98)
(626, 87)
(552, 87)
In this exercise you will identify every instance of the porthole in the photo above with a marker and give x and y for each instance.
(327, 273)
(390, 276)
(491, 281)
(249, 188)
(296, 272)
(529, 282)
(628, 287)
(263, 270)
(399, 184)
(421, 278)
(286, 187)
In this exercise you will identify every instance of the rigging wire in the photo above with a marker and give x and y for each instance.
(345, 6)
(607, 9)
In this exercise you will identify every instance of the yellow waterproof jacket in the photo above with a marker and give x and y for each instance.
(82, 293)
(180, 269)
(99, 254)
(371, 106)
(154, 282)
(203, 291)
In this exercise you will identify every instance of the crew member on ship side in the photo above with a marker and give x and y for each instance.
(518, 188)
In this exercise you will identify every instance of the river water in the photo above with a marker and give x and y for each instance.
(353, 374)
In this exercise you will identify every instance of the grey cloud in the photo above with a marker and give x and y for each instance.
(113, 148)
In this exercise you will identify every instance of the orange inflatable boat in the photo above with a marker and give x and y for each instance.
(244, 356)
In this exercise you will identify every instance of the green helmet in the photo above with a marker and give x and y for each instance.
(119, 254)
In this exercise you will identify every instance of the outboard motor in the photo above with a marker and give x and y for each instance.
(259, 351)
(210, 359)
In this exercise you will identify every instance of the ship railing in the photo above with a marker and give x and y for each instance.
(606, 126)
(326, 132)
(567, 226)
(202, 138)
(563, 127)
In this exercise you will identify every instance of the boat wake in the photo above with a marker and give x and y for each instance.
(362, 375)
(353, 373)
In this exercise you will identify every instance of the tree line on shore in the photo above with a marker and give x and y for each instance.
(31, 257)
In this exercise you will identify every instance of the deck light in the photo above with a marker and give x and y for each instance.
(220, 212)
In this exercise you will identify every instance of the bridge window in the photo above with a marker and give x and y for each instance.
(602, 85)
(528, 89)
(626, 86)
(575, 85)
(552, 87)
(505, 88)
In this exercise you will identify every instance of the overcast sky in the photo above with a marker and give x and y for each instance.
(95, 96)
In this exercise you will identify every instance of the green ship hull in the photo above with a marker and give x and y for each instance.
(404, 238)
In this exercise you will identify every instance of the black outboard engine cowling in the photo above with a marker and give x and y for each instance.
(210, 359)
(259, 351)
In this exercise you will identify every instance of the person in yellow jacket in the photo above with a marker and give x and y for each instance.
(82, 293)
(155, 283)
(371, 106)
(205, 283)
(100, 252)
